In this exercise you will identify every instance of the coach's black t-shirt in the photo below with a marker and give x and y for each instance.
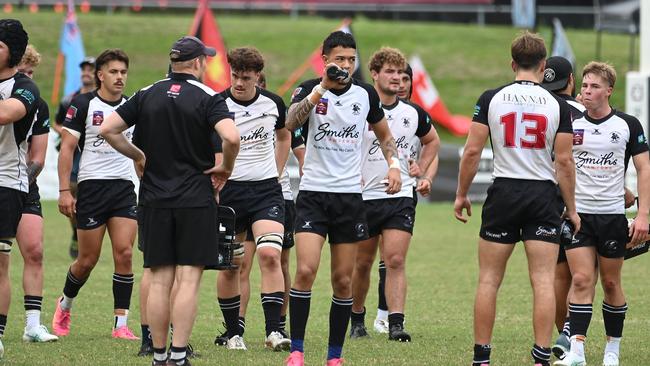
(174, 119)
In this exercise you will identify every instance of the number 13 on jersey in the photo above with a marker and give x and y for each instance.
(534, 130)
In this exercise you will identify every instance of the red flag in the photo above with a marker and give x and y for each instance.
(217, 75)
(426, 96)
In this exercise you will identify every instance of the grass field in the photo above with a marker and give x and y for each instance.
(442, 270)
(463, 60)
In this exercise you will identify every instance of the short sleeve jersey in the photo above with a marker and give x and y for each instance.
(41, 124)
(335, 128)
(175, 120)
(416, 145)
(99, 160)
(405, 123)
(285, 181)
(524, 119)
(577, 110)
(602, 149)
(13, 136)
(256, 120)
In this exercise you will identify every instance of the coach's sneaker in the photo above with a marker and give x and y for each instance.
(561, 346)
(358, 330)
(61, 320)
(335, 362)
(38, 334)
(124, 332)
(571, 359)
(397, 333)
(146, 349)
(296, 358)
(381, 326)
(277, 342)
(236, 342)
(610, 359)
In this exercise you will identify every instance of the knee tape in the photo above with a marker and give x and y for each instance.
(273, 240)
(5, 246)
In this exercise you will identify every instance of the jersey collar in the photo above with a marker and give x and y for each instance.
(182, 76)
(241, 102)
(390, 107)
(598, 121)
(339, 92)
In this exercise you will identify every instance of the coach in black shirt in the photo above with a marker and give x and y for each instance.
(175, 117)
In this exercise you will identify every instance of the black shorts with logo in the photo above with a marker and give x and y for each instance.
(12, 202)
(519, 209)
(608, 233)
(33, 202)
(342, 216)
(390, 213)
(100, 199)
(253, 201)
(179, 236)
(289, 218)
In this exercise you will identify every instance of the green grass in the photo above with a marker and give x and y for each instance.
(442, 271)
(463, 60)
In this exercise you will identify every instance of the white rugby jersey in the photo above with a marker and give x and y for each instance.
(13, 136)
(523, 118)
(99, 160)
(602, 149)
(334, 140)
(406, 124)
(285, 180)
(256, 120)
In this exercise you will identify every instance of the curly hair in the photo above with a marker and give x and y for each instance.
(31, 56)
(386, 55)
(246, 59)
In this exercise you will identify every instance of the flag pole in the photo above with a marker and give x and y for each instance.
(297, 73)
(54, 99)
(200, 9)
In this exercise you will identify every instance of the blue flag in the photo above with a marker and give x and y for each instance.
(561, 45)
(72, 48)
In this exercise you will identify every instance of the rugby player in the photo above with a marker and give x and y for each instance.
(106, 198)
(255, 194)
(18, 106)
(337, 110)
(604, 141)
(391, 216)
(527, 124)
(30, 229)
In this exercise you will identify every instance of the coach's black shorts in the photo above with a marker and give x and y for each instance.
(519, 209)
(179, 236)
(390, 213)
(608, 233)
(100, 199)
(11, 210)
(289, 218)
(33, 202)
(342, 216)
(253, 201)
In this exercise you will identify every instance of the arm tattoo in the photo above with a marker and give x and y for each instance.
(298, 113)
(389, 149)
(33, 170)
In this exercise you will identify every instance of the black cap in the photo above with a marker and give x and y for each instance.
(188, 48)
(556, 74)
(87, 61)
(14, 36)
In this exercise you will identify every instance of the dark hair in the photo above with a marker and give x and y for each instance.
(113, 54)
(16, 39)
(528, 50)
(336, 39)
(246, 59)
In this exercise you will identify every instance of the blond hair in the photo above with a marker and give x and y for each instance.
(31, 57)
(602, 69)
